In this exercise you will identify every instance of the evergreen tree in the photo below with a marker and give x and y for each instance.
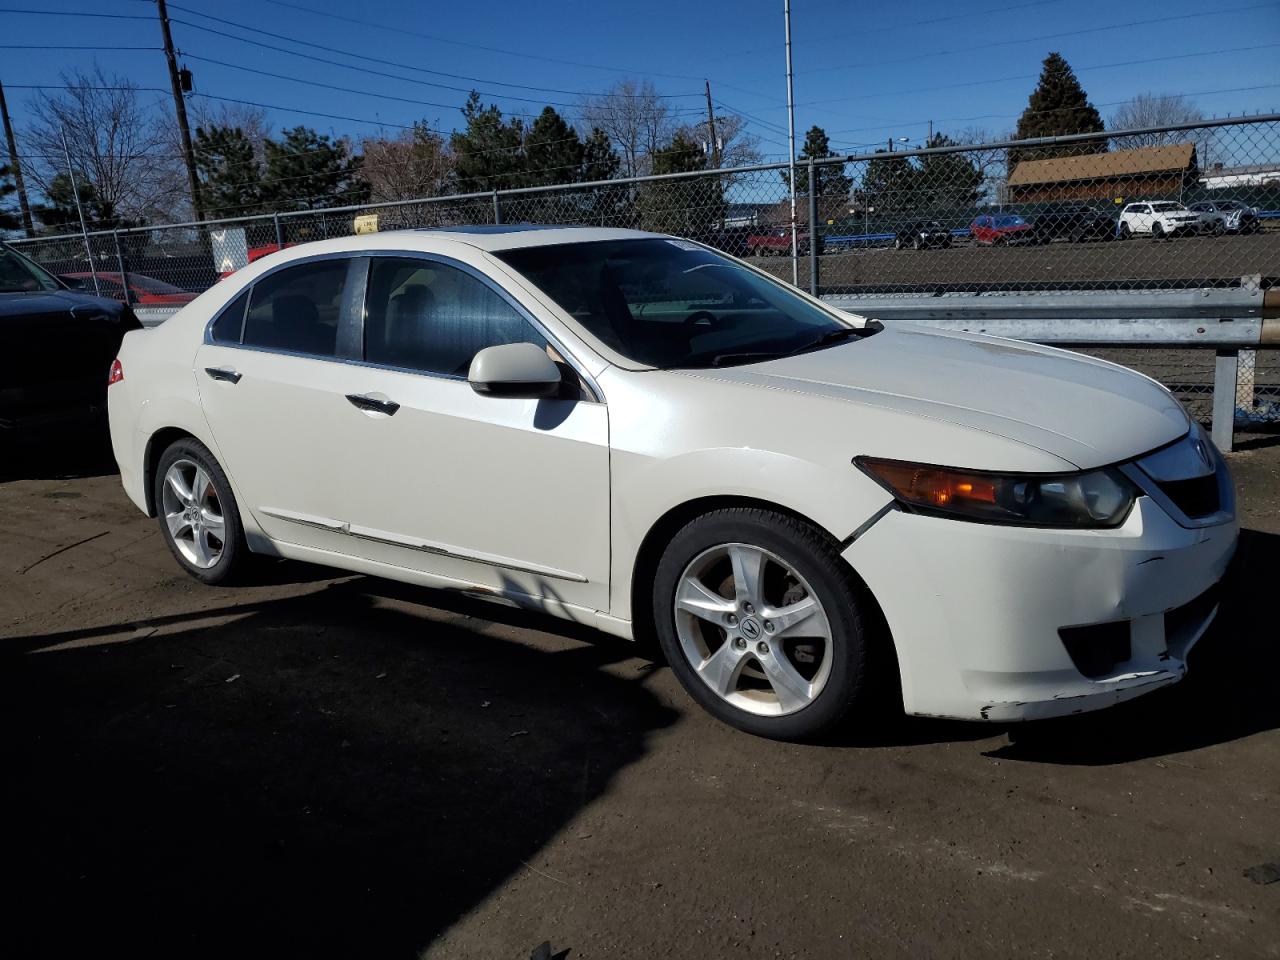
(608, 206)
(307, 171)
(488, 153)
(229, 177)
(1058, 106)
(832, 180)
(9, 219)
(552, 151)
(59, 213)
(889, 184)
(947, 181)
(683, 207)
(599, 160)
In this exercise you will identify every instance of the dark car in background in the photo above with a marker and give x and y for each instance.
(57, 347)
(1001, 229)
(1074, 222)
(921, 235)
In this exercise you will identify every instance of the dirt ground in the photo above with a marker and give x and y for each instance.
(321, 766)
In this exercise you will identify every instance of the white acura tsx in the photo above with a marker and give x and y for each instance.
(639, 433)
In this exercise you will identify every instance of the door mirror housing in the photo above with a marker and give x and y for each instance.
(519, 370)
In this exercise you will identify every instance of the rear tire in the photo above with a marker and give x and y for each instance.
(762, 623)
(198, 516)
(1125, 231)
(1157, 232)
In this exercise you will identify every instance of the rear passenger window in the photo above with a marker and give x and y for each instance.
(428, 316)
(227, 327)
(297, 309)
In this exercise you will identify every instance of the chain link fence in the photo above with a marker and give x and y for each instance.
(1186, 206)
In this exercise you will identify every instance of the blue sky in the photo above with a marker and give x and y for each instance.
(864, 72)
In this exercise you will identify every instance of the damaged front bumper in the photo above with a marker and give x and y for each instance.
(1012, 623)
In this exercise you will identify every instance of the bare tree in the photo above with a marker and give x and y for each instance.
(414, 163)
(1154, 110)
(637, 120)
(118, 144)
(738, 147)
(251, 121)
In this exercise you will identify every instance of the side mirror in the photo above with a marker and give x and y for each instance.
(520, 370)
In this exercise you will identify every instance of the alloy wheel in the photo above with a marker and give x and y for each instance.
(753, 630)
(193, 513)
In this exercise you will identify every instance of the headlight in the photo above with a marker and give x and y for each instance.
(1100, 498)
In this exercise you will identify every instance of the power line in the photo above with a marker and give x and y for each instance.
(1006, 116)
(384, 62)
(477, 46)
(1032, 76)
(37, 46)
(867, 65)
(76, 13)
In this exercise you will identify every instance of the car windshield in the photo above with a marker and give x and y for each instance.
(20, 275)
(1165, 207)
(1229, 205)
(1009, 221)
(673, 304)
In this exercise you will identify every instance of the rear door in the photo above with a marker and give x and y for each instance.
(272, 376)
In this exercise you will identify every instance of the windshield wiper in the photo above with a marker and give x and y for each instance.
(751, 356)
(832, 337)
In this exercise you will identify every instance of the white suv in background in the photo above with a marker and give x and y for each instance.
(1161, 218)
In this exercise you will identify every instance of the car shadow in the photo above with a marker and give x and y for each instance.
(330, 775)
(1232, 687)
(56, 452)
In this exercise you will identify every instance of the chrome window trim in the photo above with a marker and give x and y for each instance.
(596, 394)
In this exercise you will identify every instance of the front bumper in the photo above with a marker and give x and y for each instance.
(975, 609)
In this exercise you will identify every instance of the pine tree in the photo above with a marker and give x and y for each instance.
(9, 220)
(1058, 106)
(488, 153)
(599, 160)
(832, 180)
(229, 177)
(552, 151)
(685, 207)
(947, 182)
(59, 214)
(889, 184)
(307, 171)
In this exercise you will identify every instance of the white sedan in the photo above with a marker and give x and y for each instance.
(639, 433)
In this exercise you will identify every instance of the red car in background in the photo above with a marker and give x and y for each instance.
(1000, 229)
(143, 291)
(776, 241)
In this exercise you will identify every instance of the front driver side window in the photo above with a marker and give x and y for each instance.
(428, 316)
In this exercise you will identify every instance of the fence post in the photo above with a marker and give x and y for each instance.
(275, 218)
(1225, 367)
(814, 239)
(497, 208)
(124, 276)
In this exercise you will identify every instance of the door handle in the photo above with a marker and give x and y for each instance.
(223, 373)
(389, 407)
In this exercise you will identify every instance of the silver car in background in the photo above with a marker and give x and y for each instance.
(1226, 216)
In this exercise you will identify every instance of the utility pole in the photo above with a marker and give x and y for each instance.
(711, 130)
(929, 142)
(791, 141)
(27, 225)
(180, 108)
(84, 227)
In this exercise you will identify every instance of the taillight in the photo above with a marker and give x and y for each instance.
(116, 374)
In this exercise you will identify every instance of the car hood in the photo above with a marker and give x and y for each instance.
(50, 302)
(1081, 410)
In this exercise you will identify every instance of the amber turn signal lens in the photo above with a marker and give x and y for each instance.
(932, 487)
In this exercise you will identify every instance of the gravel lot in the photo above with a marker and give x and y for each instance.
(321, 766)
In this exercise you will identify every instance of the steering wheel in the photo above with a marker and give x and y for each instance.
(700, 318)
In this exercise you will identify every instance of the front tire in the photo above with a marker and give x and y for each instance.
(198, 516)
(762, 623)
